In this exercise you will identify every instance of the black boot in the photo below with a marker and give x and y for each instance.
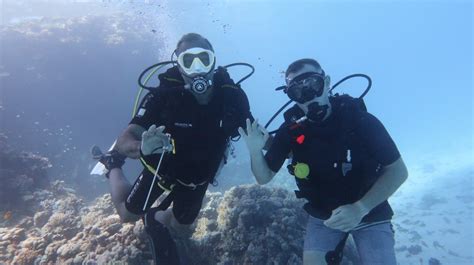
(163, 246)
(110, 160)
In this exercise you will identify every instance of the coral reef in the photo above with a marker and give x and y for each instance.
(21, 174)
(66, 231)
(246, 225)
(50, 224)
(251, 225)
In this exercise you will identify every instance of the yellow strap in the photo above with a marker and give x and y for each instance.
(137, 98)
(173, 79)
(151, 168)
(174, 146)
(163, 188)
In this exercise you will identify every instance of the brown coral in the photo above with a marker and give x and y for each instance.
(254, 225)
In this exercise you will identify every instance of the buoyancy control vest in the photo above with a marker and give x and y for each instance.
(341, 169)
(198, 138)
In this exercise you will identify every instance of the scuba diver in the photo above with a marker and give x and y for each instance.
(181, 134)
(345, 164)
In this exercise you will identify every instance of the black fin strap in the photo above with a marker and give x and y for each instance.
(334, 257)
(163, 246)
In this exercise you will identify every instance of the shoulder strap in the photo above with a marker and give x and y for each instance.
(232, 101)
(223, 80)
(169, 91)
(349, 110)
(171, 78)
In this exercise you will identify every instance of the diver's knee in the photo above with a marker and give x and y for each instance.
(168, 219)
(314, 257)
(182, 221)
(125, 215)
(130, 207)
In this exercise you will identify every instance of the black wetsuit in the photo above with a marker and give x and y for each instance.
(201, 134)
(345, 154)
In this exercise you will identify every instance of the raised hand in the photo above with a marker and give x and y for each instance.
(255, 136)
(154, 141)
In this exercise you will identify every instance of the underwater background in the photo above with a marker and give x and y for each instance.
(68, 80)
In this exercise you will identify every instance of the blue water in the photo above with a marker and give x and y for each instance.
(68, 70)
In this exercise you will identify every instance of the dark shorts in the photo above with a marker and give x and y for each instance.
(186, 205)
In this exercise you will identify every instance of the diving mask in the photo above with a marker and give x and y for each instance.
(305, 87)
(196, 61)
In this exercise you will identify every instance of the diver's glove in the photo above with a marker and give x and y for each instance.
(154, 141)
